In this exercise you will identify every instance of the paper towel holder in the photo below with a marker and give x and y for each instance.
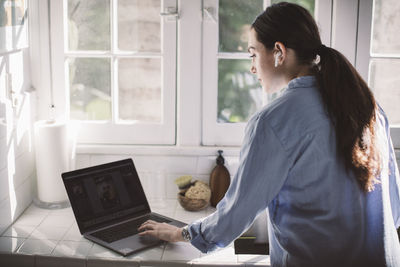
(50, 189)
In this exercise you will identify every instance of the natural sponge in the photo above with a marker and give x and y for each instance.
(199, 190)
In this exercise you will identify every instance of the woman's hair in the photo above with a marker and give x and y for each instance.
(346, 97)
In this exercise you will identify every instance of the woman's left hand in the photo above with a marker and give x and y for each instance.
(162, 231)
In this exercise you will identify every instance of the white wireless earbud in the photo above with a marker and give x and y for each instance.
(277, 55)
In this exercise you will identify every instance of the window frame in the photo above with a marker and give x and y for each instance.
(364, 53)
(108, 132)
(231, 134)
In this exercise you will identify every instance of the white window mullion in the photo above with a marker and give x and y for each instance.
(344, 30)
(168, 72)
(114, 60)
(58, 41)
(323, 16)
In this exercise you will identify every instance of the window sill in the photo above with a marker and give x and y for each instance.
(156, 150)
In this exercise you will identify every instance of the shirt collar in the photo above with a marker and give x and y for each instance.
(303, 81)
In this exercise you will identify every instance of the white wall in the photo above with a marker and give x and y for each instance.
(16, 140)
(151, 162)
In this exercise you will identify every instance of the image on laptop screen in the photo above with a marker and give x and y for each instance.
(105, 194)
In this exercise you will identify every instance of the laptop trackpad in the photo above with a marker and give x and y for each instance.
(136, 242)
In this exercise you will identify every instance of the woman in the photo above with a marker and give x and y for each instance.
(319, 157)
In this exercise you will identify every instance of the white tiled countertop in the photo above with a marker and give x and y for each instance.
(45, 238)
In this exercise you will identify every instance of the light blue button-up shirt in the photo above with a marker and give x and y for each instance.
(318, 215)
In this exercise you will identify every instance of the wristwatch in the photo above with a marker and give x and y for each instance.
(185, 234)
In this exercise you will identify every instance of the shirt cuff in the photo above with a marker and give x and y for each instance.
(198, 240)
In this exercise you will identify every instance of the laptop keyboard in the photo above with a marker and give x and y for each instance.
(123, 230)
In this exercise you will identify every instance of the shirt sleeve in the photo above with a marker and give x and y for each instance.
(263, 168)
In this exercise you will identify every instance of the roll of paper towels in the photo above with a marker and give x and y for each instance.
(53, 157)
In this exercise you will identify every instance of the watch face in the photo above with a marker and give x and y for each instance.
(185, 234)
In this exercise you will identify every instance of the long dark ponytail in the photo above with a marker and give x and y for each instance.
(347, 98)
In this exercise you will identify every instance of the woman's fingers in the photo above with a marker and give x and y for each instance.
(162, 231)
(148, 232)
(146, 225)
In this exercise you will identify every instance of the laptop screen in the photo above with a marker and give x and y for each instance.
(105, 193)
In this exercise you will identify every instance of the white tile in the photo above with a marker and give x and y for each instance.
(224, 255)
(72, 248)
(205, 165)
(30, 219)
(33, 209)
(3, 229)
(3, 151)
(188, 216)
(202, 177)
(4, 184)
(168, 205)
(24, 166)
(73, 234)
(20, 231)
(154, 253)
(24, 143)
(168, 164)
(172, 188)
(58, 221)
(63, 212)
(98, 251)
(51, 261)
(6, 218)
(180, 251)
(10, 244)
(24, 196)
(40, 247)
(48, 233)
(82, 161)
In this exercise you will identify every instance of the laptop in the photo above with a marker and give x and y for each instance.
(109, 205)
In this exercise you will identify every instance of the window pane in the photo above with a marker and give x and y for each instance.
(139, 25)
(90, 88)
(386, 27)
(89, 25)
(239, 94)
(140, 89)
(384, 81)
(235, 18)
(307, 4)
(12, 13)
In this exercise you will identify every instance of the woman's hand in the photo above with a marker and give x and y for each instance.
(162, 231)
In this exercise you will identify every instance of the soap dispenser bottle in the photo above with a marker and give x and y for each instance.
(219, 180)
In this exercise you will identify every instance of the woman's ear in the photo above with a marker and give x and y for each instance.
(279, 53)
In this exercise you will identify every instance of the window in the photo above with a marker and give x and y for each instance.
(380, 45)
(231, 93)
(13, 30)
(115, 64)
(116, 70)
